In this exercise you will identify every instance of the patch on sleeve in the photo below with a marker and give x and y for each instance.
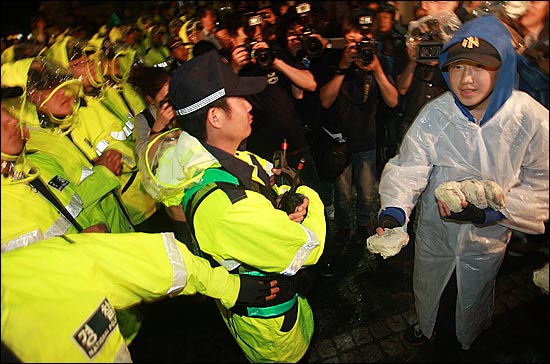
(58, 183)
(93, 333)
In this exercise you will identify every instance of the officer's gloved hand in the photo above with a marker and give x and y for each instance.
(254, 290)
(469, 213)
(288, 287)
(302, 282)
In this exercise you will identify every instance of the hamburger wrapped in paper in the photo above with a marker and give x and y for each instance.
(388, 244)
(481, 193)
(450, 193)
(494, 194)
(474, 192)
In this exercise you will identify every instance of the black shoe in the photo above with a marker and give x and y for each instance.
(413, 336)
(328, 270)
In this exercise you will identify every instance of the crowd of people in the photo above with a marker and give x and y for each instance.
(205, 149)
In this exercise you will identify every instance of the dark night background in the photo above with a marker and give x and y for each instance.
(17, 15)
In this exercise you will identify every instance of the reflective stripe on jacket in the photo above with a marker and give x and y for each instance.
(78, 289)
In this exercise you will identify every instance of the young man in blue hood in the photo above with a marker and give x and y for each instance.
(481, 129)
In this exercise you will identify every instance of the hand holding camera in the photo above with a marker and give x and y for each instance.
(165, 117)
(312, 45)
(260, 53)
(366, 50)
(239, 58)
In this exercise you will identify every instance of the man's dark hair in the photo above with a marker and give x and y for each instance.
(386, 8)
(351, 20)
(201, 11)
(150, 80)
(202, 46)
(195, 123)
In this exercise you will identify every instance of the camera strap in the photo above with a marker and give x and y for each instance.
(358, 83)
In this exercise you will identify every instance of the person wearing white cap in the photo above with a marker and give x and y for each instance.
(230, 203)
(481, 129)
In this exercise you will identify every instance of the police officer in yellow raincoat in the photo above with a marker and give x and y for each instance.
(229, 202)
(106, 122)
(38, 202)
(59, 295)
(49, 107)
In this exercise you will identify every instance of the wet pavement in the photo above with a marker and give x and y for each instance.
(360, 317)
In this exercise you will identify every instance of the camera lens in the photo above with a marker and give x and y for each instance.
(313, 46)
(366, 57)
(428, 51)
(264, 57)
(366, 51)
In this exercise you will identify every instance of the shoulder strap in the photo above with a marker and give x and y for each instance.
(265, 190)
(210, 175)
(45, 191)
(126, 102)
(212, 180)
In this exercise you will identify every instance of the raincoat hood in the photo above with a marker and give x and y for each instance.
(70, 48)
(490, 29)
(38, 74)
(174, 162)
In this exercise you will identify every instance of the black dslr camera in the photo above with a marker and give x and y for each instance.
(263, 57)
(311, 45)
(430, 44)
(367, 48)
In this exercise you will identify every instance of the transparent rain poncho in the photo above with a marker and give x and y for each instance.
(507, 145)
(71, 49)
(431, 30)
(122, 61)
(512, 9)
(47, 78)
(42, 79)
(173, 162)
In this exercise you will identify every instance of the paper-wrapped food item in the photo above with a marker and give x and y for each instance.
(540, 278)
(481, 193)
(494, 194)
(474, 192)
(450, 193)
(388, 244)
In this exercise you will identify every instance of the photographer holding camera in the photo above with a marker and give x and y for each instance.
(275, 116)
(420, 80)
(353, 85)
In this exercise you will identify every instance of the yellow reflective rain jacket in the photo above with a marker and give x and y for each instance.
(96, 184)
(99, 130)
(239, 228)
(59, 295)
(29, 216)
(93, 130)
